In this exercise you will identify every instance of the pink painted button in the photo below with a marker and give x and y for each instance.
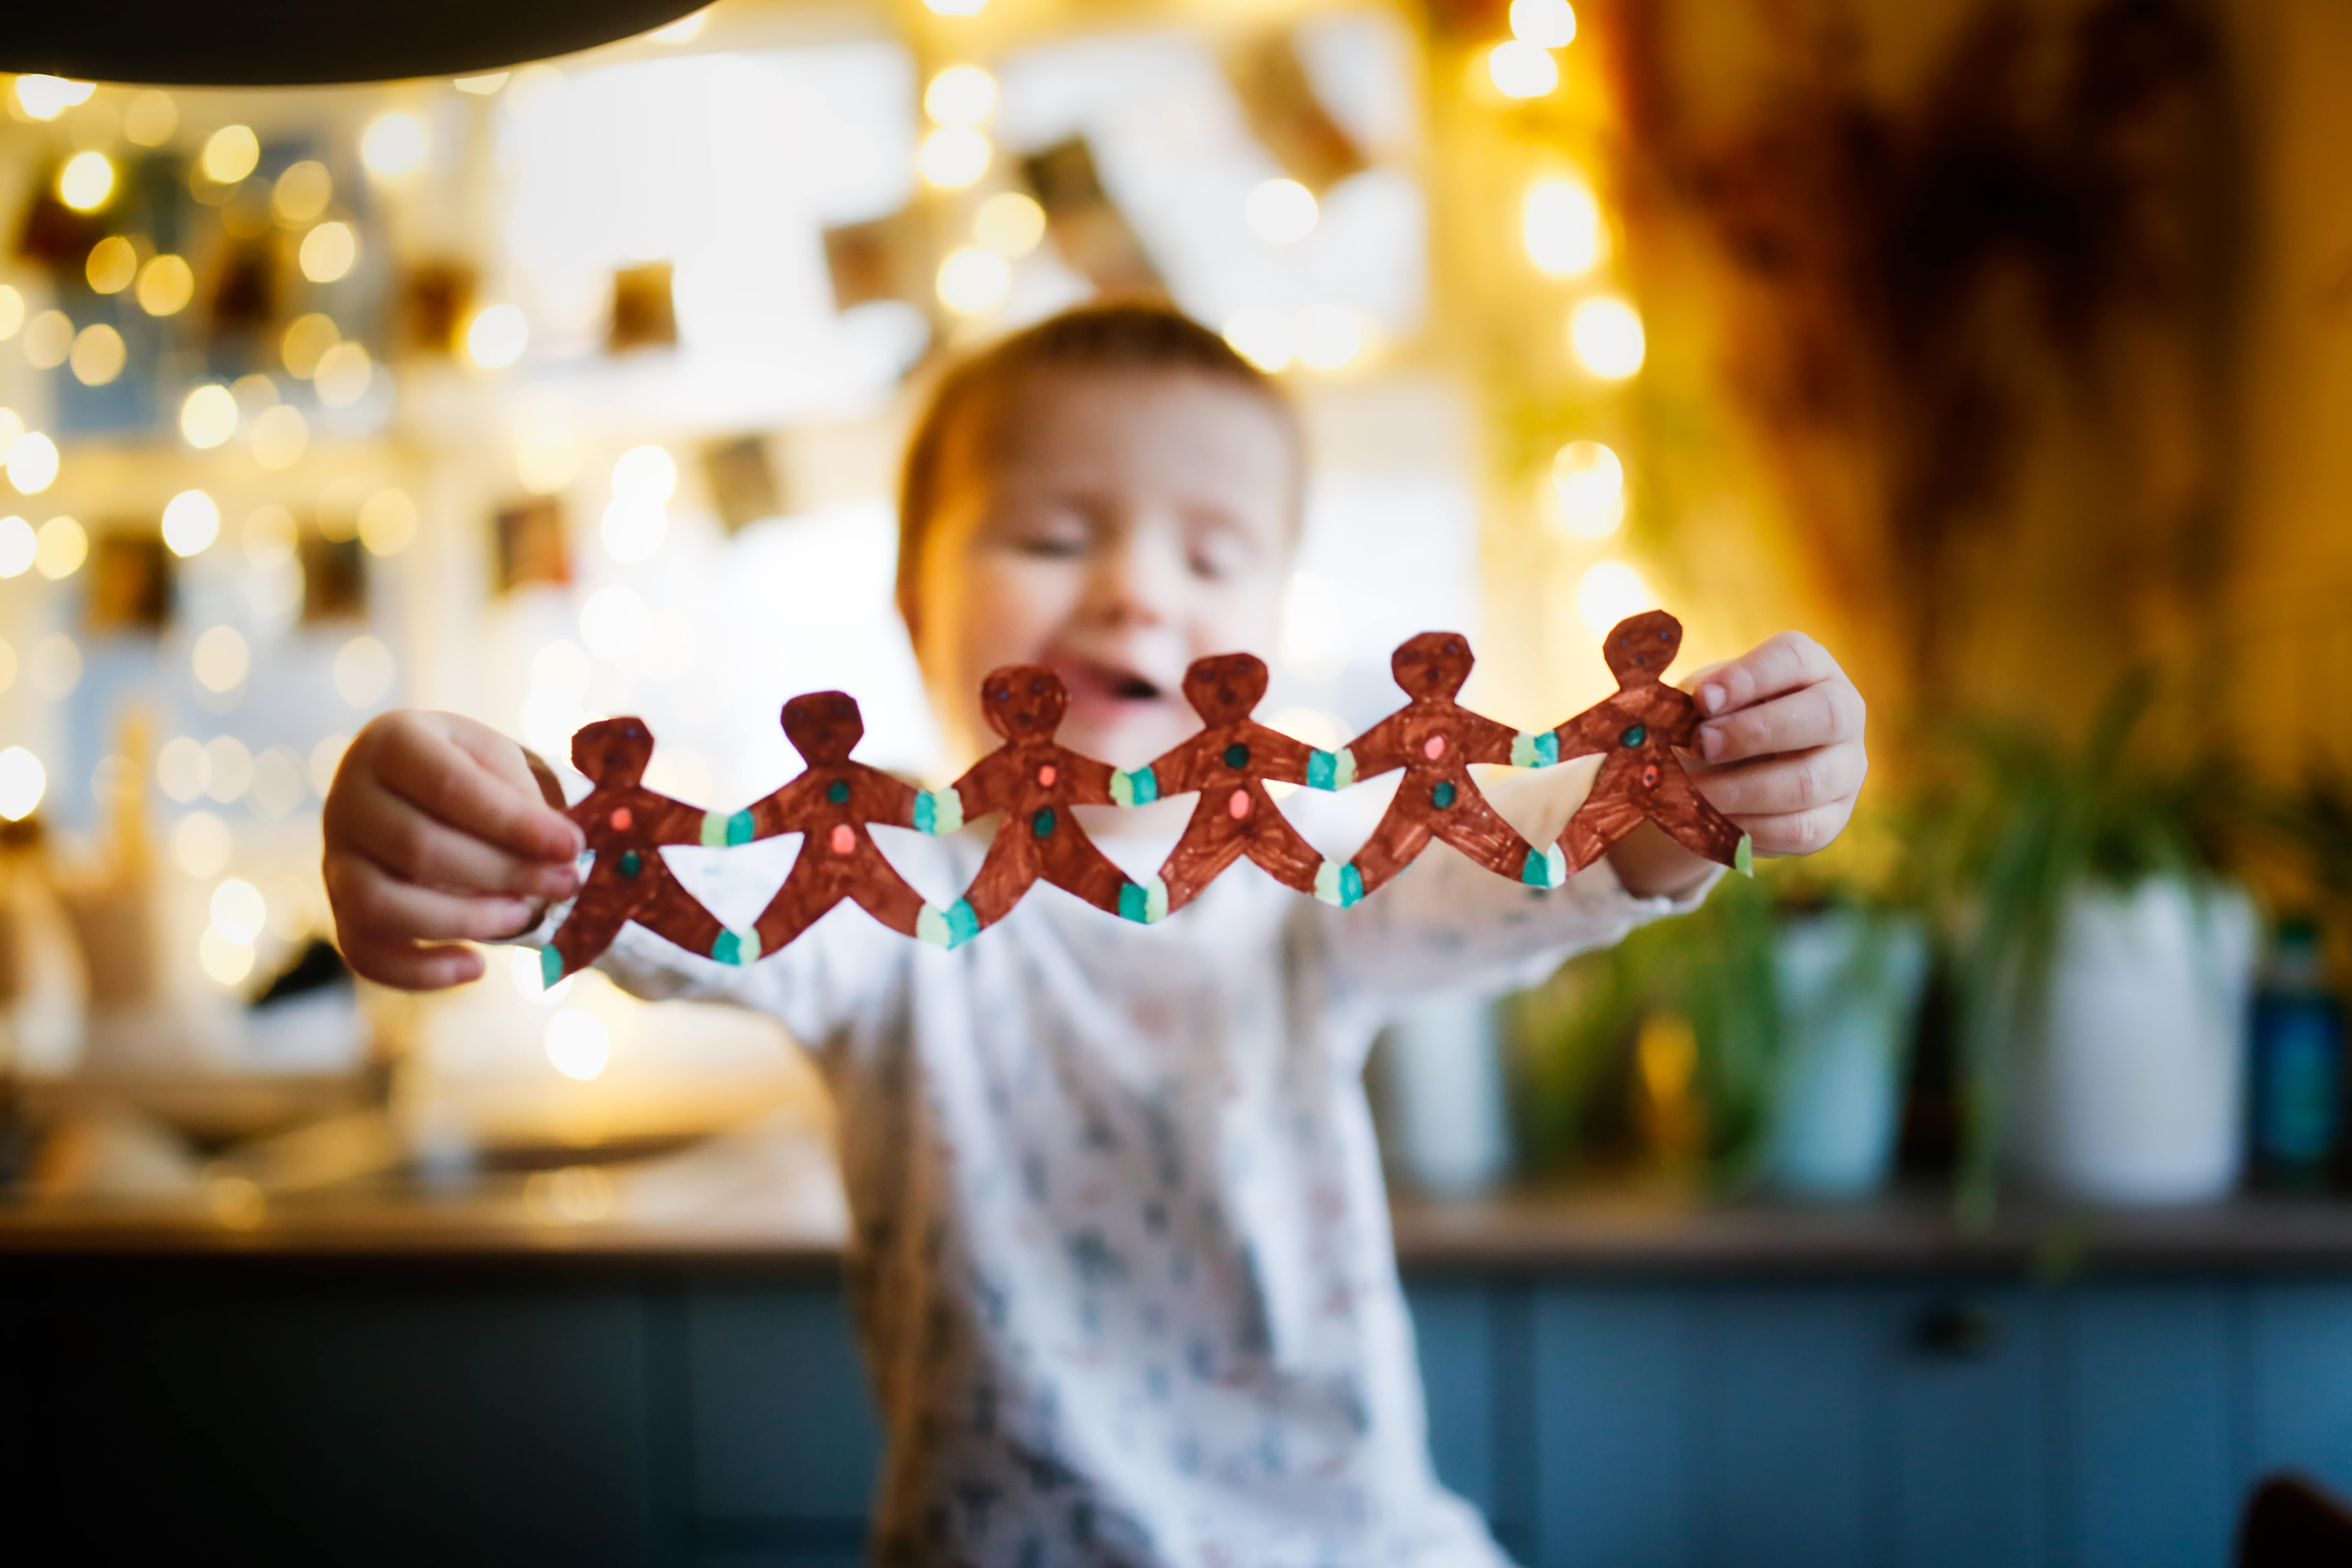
(1434, 748)
(1239, 804)
(1047, 774)
(620, 819)
(842, 839)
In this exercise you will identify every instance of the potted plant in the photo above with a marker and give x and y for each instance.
(2101, 962)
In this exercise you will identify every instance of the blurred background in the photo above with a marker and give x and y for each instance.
(2006, 348)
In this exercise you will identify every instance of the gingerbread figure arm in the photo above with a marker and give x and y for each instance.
(1484, 740)
(770, 817)
(1590, 733)
(1089, 780)
(1379, 749)
(1177, 771)
(884, 798)
(1277, 756)
(661, 820)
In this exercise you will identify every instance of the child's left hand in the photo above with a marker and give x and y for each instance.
(1780, 754)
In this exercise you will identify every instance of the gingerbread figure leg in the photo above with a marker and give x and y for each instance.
(1391, 848)
(1004, 876)
(1207, 847)
(1076, 866)
(1600, 822)
(677, 916)
(1283, 854)
(584, 934)
(806, 895)
(1692, 822)
(881, 892)
(1475, 827)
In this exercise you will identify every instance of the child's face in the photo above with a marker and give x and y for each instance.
(1113, 526)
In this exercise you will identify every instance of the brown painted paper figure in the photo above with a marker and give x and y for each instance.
(626, 824)
(1228, 764)
(1434, 739)
(1637, 732)
(829, 805)
(1034, 781)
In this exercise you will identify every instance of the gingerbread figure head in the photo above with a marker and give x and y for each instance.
(613, 751)
(1433, 664)
(1024, 701)
(1640, 648)
(1224, 687)
(824, 726)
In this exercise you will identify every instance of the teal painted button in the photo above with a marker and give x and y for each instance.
(837, 791)
(631, 863)
(1042, 824)
(1634, 735)
(1236, 755)
(1442, 795)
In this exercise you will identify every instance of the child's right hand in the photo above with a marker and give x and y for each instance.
(439, 830)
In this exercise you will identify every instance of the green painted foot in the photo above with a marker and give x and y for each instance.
(1545, 867)
(950, 928)
(1743, 859)
(1146, 902)
(939, 811)
(1340, 885)
(551, 968)
(739, 948)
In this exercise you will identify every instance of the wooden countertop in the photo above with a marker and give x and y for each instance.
(771, 1202)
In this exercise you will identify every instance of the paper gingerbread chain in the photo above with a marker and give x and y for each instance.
(1032, 781)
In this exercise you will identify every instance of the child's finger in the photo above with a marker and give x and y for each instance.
(1798, 832)
(411, 968)
(406, 842)
(436, 775)
(1777, 664)
(1794, 781)
(388, 909)
(1824, 714)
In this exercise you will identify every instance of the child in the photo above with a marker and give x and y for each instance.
(1122, 1256)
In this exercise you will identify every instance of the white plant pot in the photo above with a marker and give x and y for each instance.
(1850, 989)
(2128, 1088)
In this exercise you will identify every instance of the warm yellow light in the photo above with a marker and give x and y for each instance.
(238, 910)
(208, 415)
(1522, 70)
(645, 475)
(953, 156)
(268, 535)
(230, 155)
(343, 375)
(1009, 223)
(113, 266)
(191, 522)
(23, 781)
(387, 522)
(1328, 336)
(60, 548)
(16, 546)
(46, 97)
(327, 252)
(548, 457)
(496, 337)
(1547, 24)
(973, 280)
(49, 339)
(57, 666)
(1280, 211)
(228, 963)
(150, 119)
(683, 30)
(578, 1043)
(1588, 483)
(8, 665)
(201, 846)
(362, 671)
(1609, 592)
(633, 530)
(1561, 221)
(165, 286)
(960, 95)
(12, 311)
(306, 339)
(220, 660)
(481, 86)
(325, 758)
(1606, 335)
(393, 145)
(180, 767)
(280, 437)
(563, 665)
(302, 192)
(11, 426)
(956, 7)
(253, 392)
(1262, 335)
(98, 355)
(228, 769)
(614, 622)
(32, 462)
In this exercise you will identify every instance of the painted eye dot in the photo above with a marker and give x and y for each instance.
(1036, 686)
(620, 818)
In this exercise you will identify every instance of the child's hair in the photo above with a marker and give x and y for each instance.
(1123, 335)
